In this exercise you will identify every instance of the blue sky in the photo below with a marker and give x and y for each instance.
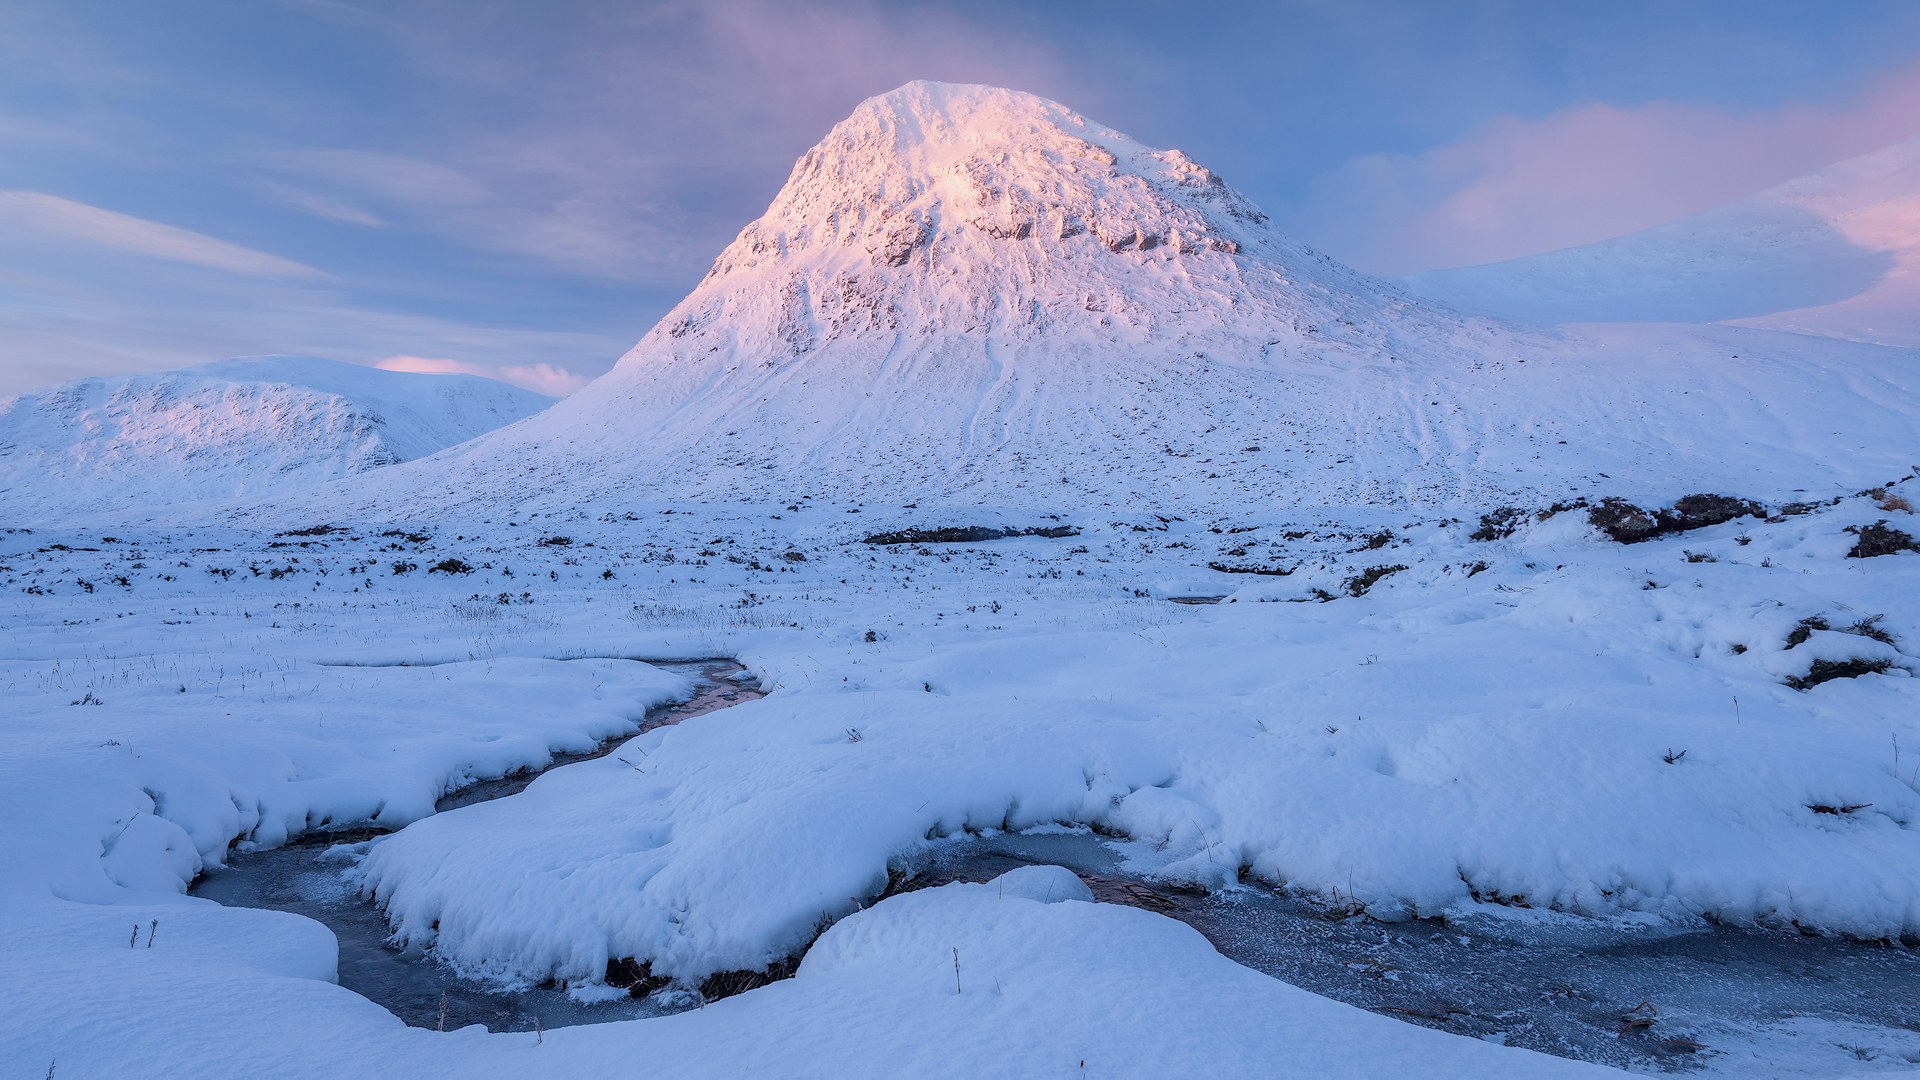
(521, 189)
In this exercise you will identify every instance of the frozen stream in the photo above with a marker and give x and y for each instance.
(305, 877)
(1627, 991)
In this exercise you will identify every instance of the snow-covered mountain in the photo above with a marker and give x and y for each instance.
(1836, 253)
(975, 296)
(257, 426)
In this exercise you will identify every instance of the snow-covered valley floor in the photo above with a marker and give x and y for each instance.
(1547, 719)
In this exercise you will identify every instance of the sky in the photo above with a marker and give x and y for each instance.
(520, 189)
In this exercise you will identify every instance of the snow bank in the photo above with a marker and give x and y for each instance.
(1042, 989)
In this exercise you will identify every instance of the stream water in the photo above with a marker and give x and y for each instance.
(307, 877)
(1630, 992)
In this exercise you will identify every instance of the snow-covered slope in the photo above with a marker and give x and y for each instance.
(1836, 253)
(973, 296)
(250, 427)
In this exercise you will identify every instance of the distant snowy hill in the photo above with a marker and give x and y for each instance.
(974, 296)
(249, 427)
(1835, 253)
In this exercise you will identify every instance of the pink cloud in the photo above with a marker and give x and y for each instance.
(1516, 186)
(541, 378)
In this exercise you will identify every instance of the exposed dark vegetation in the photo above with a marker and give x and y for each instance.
(1879, 539)
(1829, 670)
(1804, 629)
(450, 566)
(1268, 571)
(1358, 584)
(726, 984)
(1630, 524)
(1499, 524)
(636, 978)
(1868, 627)
(965, 534)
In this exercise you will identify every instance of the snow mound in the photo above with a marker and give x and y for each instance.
(1047, 884)
(1835, 253)
(249, 427)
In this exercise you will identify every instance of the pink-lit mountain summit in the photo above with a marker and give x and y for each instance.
(973, 295)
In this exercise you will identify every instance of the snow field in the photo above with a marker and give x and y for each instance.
(1501, 731)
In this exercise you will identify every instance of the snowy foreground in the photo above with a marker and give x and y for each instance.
(1547, 718)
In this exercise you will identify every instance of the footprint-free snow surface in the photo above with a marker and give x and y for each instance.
(1572, 639)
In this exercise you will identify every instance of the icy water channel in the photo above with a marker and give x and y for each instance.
(305, 877)
(1629, 993)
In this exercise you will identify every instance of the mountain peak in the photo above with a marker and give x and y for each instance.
(926, 100)
(953, 276)
(936, 176)
(978, 298)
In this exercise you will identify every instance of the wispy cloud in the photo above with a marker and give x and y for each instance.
(387, 176)
(320, 206)
(629, 143)
(540, 378)
(1516, 186)
(66, 323)
(50, 216)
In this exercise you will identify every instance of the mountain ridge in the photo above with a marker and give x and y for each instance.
(247, 427)
(1834, 253)
(974, 296)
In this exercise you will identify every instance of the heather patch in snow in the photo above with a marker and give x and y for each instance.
(1629, 524)
(1879, 539)
(967, 534)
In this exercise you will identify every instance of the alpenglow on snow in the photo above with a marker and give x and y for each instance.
(977, 297)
